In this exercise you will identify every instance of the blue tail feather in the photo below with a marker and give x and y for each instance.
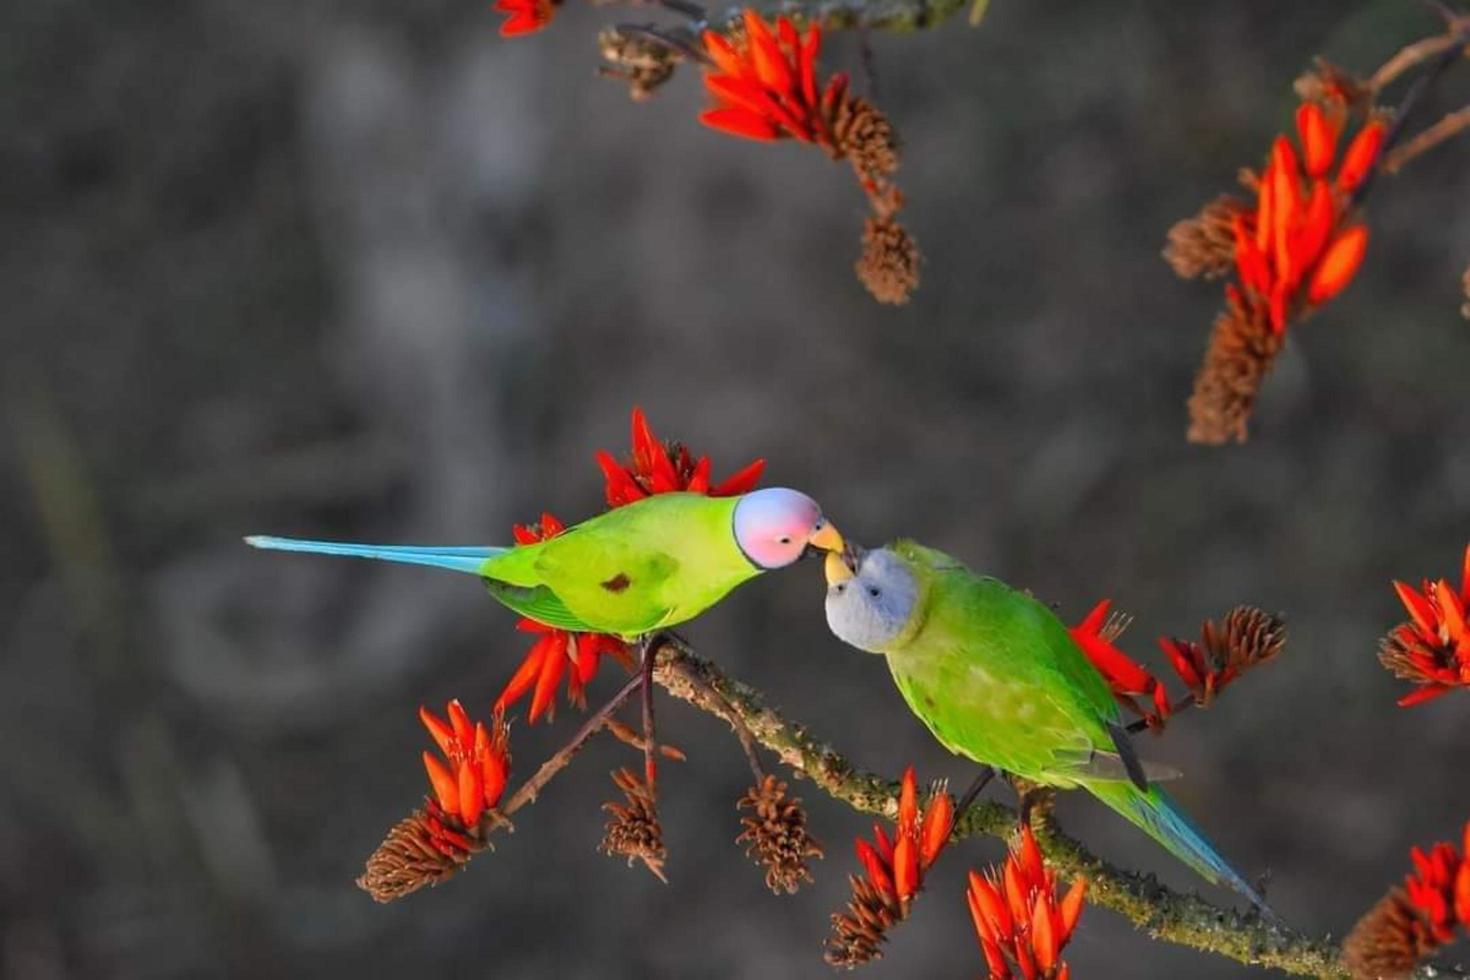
(1157, 815)
(458, 559)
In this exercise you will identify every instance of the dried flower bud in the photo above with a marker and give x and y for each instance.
(633, 829)
(1242, 349)
(1388, 941)
(862, 133)
(424, 848)
(1325, 82)
(1203, 246)
(643, 62)
(775, 836)
(889, 265)
(1246, 638)
(858, 933)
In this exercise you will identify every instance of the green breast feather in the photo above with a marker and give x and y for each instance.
(996, 677)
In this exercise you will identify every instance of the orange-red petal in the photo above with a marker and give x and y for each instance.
(1359, 159)
(553, 665)
(908, 805)
(740, 122)
(526, 674)
(743, 481)
(442, 734)
(1340, 263)
(1319, 142)
(938, 822)
(443, 782)
(906, 867)
(471, 794)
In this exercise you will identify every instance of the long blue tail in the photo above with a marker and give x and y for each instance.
(1158, 816)
(468, 559)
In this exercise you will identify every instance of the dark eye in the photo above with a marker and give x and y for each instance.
(841, 586)
(873, 593)
(783, 539)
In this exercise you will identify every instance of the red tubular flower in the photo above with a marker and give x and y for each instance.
(556, 652)
(1439, 887)
(666, 467)
(1017, 917)
(478, 765)
(1298, 250)
(896, 865)
(525, 16)
(1432, 649)
(1128, 679)
(765, 85)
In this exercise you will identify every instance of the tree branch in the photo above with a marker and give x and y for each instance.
(874, 15)
(1172, 916)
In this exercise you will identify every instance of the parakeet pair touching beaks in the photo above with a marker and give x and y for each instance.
(992, 672)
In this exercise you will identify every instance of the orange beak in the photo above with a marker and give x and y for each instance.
(827, 538)
(836, 568)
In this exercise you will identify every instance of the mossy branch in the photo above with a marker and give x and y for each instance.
(1172, 916)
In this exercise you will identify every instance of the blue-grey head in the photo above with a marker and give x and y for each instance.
(871, 597)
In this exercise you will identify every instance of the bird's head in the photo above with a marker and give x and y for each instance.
(774, 527)
(871, 596)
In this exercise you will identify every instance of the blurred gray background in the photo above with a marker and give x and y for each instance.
(364, 270)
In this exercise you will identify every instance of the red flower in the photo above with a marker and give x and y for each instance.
(1245, 638)
(1297, 249)
(1128, 679)
(657, 467)
(478, 764)
(1433, 648)
(896, 865)
(1018, 918)
(526, 16)
(556, 650)
(765, 88)
(1439, 887)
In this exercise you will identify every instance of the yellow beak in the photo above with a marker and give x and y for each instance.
(836, 568)
(826, 538)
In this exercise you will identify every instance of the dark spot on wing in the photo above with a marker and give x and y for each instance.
(617, 583)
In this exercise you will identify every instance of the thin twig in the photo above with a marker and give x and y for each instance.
(1142, 724)
(1411, 56)
(527, 791)
(725, 710)
(1451, 125)
(650, 765)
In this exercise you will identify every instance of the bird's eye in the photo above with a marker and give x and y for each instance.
(841, 587)
(873, 593)
(784, 539)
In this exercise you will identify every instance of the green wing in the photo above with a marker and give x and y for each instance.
(997, 678)
(604, 579)
(538, 603)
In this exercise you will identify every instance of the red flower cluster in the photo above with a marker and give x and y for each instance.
(1128, 679)
(556, 650)
(525, 16)
(1297, 247)
(1245, 638)
(1433, 648)
(658, 467)
(1018, 918)
(765, 88)
(1439, 888)
(896, 865)
(478, 763)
